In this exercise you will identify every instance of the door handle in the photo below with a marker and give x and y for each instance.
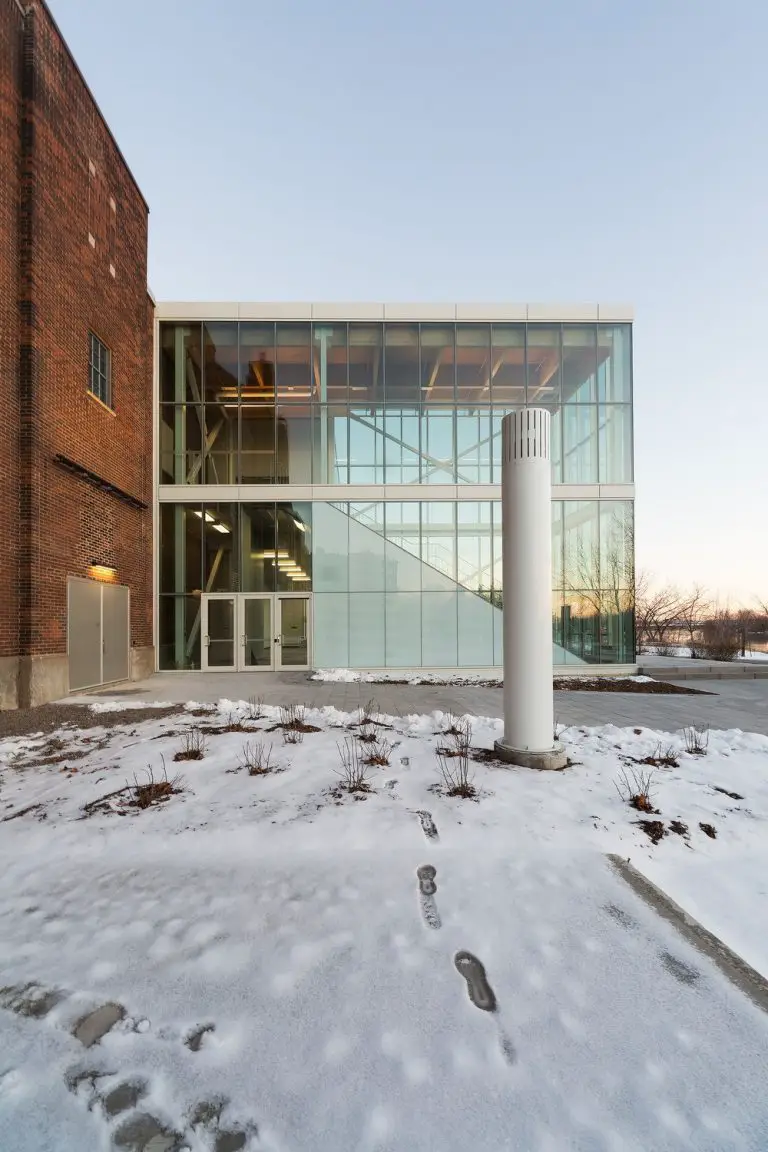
(277, 639)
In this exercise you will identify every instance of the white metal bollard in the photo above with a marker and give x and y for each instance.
(526, 497)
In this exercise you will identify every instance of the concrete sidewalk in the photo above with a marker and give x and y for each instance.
(734, 704)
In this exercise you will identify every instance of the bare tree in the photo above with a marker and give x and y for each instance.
(694, 611)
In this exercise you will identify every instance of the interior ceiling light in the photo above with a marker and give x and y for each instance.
(301, 527)
(299, 579)
(221, 528)
(209, 518)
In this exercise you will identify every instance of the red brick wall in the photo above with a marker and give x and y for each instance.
(72, 172)
(11, 27)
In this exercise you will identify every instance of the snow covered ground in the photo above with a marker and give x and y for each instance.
(291, 976)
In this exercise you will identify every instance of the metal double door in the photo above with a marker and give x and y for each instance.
(259, 631)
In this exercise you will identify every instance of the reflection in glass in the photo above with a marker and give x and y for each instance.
(221, 443)
(581, 554)
(401, 364)
(257, 363)
(258, 641)
(220, 638)
(543, 366)
(579, 363)
(331, 448)
(294, 547)
(508, 365)
(294, 632)
(438, 537)
(437, 364)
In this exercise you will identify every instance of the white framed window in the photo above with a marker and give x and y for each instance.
(99, 370)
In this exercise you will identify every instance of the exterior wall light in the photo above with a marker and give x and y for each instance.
(103, 572)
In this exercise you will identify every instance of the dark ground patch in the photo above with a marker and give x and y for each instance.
(49, 717)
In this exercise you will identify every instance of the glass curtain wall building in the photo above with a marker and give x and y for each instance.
(328, 482)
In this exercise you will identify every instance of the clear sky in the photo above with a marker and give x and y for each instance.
(444, 150)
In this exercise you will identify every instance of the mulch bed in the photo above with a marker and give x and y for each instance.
(609, 684)
(48, 717)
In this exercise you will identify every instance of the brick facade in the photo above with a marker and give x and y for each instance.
(73, 259)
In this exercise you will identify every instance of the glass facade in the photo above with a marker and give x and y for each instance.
(294, 403)
(400, 579)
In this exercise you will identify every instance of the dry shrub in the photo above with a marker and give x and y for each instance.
(460, 738)
(255, 707)
(192, 745)
(634, 788)
(378, 753)
(293, 735)
(153, 791)
(664, 755)
(353, 772)
(709, 830)
(292, 719)
(696, 738)
(257, 759)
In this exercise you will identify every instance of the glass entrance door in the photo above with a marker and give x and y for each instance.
(258, 642)
(219, 651)
(293, 630)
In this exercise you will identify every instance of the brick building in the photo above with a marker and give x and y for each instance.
(76, 325)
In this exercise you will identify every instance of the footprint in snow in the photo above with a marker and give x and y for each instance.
(427, 888)
(483, 996)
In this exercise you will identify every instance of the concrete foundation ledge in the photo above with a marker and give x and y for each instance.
(142, 663)
(9, 682)
(42, 678)
(550, 760)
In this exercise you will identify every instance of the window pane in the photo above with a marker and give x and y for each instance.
(581, 557)
(294, 444)
(557, 544)
(257, 444)
(179, 632)
(508, 365)
(401, 553)
(579, 364)
(437, 363)
(366, 547)
(615, 428)
(257, 547)
(221, 443)
(543, 366)
(473, 446)
(329, 362)
(438, 543)
(366, 445)
(366, 630)
(181, 372)
(401, 364)
(294, 537)
(366, 377)
(437, 440)
(331, 460)
(402, 615)
(330, 626)
(295, 380)
(330, 561)
(257, 363)
(220, 567)
(180, 435)
(579, 443)
(475, 552)
(401, 445)
(617, 544)
(614, 355)
(220, 367)
(475, 631)
(473, 367)
(439, 625)
(181, 548)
